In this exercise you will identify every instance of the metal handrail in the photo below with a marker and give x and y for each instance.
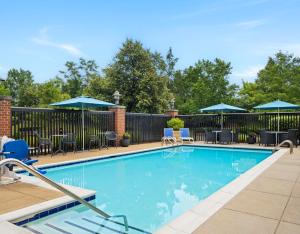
(284, 142)
(35, 172)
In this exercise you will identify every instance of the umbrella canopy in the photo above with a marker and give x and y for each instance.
(277, 105)
(222, 108)
(82, 102)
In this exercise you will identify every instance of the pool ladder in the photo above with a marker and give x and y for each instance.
(289, 142)
(34, 172)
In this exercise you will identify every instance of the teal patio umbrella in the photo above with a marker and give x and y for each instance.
(82, 102)
(222, 108)
(277, 105)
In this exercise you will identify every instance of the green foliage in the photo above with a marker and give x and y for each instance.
(206, 83)
(126, 135)
(99, 87)
(175, 123)
(140, 76)
(3, 90)
(51, 91)
(21, 86)
(279, 79)
(77, 76)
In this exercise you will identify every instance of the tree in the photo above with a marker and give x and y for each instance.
(22, 88)
(77, 76)
(140, 76)
(206, 83)
(170, 64)
(99, 87)
(280, 79)
(51, 91)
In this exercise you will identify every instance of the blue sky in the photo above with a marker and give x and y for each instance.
(42, 35)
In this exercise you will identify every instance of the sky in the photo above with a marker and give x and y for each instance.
(41, 35)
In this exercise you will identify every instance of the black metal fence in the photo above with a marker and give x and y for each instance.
(142, 127)
(244, 123)
(48, 122)
(145, 127)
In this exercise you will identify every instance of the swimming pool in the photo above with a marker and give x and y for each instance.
(154, 187)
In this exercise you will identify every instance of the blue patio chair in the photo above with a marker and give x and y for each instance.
(168, 136)
(19, 149)
(185, 135)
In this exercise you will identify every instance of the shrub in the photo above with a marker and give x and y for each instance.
(126, 135)
(175, 123)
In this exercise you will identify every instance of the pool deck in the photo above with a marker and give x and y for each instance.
(270, 204)
(20, 195)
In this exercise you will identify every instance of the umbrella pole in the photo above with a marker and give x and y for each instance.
(222, 120)
(278, 128)
(82, 117)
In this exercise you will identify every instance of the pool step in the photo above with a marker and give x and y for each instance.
(74, 223)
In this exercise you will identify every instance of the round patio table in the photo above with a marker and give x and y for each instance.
(219, 131)
(276, 134)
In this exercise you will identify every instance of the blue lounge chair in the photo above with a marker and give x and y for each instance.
(168, 136)
(19, 150)
(185, 135)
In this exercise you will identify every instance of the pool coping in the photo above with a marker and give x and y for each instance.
(190, 220)
(40, 210)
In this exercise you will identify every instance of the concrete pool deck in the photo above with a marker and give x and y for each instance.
(270, 204)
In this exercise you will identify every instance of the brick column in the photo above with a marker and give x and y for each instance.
(172, 113)
(5, 116)
(120, 112)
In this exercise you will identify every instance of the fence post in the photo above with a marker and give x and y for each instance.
(5, 116)
(120, 112)
(172, 113)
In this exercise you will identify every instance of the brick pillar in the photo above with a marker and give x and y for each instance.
(120, 112)
(172, 113)
(5, 116)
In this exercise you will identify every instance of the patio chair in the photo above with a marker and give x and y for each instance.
(43, 143)
(111, 136)
(291, 135)
(19, 149)
(210, 136)
(94, 140)
(185, 135)
(168, 136)
(225, 136)
(69, 139)
(267, 138)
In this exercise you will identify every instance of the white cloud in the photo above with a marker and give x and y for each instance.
(44, 40)
(1, 68)
(250, 24)
(248, 74)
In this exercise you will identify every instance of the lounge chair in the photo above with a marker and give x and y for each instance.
(168, 136)
(185, 135)
(225, 136)
(210, 136)
(19, 149)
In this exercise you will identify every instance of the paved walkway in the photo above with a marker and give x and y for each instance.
(46, 159)
(20, 195)
(270, 204)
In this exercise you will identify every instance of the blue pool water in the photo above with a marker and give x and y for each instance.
(154, 187)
